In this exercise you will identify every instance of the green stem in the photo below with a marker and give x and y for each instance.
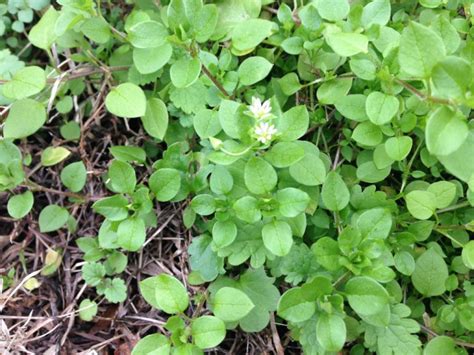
(423, 96)
(238, 154)
(449, 237)
(341, 279)
(214, 81)
(454, 207)
(406, 173)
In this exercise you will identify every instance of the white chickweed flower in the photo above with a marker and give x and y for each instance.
(265, 131)
(260, 110)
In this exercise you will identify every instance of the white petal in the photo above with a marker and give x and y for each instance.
(266, 106)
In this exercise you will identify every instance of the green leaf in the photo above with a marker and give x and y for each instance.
(207, 331)
(231, 120)
(126, 100)
(154, 344)
(444, 191)
(430, 274)
(363, 68)
(93, 273)
(25, 82)
(122, 177)
(231, 304)
(330, 92)
(131, 234)
(284, 154)
(375, 223)
(90, 246)
(367, 134)
(368, 172)
(206, 123)
(376, 12)
(293, 124)
(150, 60)
(181, 12)
(204, 204)
(204, 23)
(254, 69)
(440, 345)
(331, 332)
(224, 233)
(292, 201)
(114, 208)
(128, 153)
(277, 237)
(289, 84)
(116, 263)
(115, 290)
(147, 34)
(468, 254)
(310, 17)
(64, 105)
(420, 49)
(155, 120)
(166, 293)
(165, 184)
(54, 155)
(347, 44)
(404, 262)
(96, 29)
(334, 10)
(204, 260)
(26, 117)
(71, 130)
(335, 193)
(309, 171)
(327, 253)
(74, 176)
(87, 310)
(446, 131)
(52, 218)
(461, 162)
(431, 4)
(381, 158)
(353, 107)
(185, 72)
(366, 296)
(246, 209)
(397, 336)
(295, 305)
(221, 181)
(260, 177)
(451, 77)
(293, 45)
(381, 108)
(250, 33)
(263, 294)
(449, 33)
(421, 204)
(398, 148)
(20, 205)
(42, 35)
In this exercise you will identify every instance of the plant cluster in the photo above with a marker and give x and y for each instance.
(322, 152)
